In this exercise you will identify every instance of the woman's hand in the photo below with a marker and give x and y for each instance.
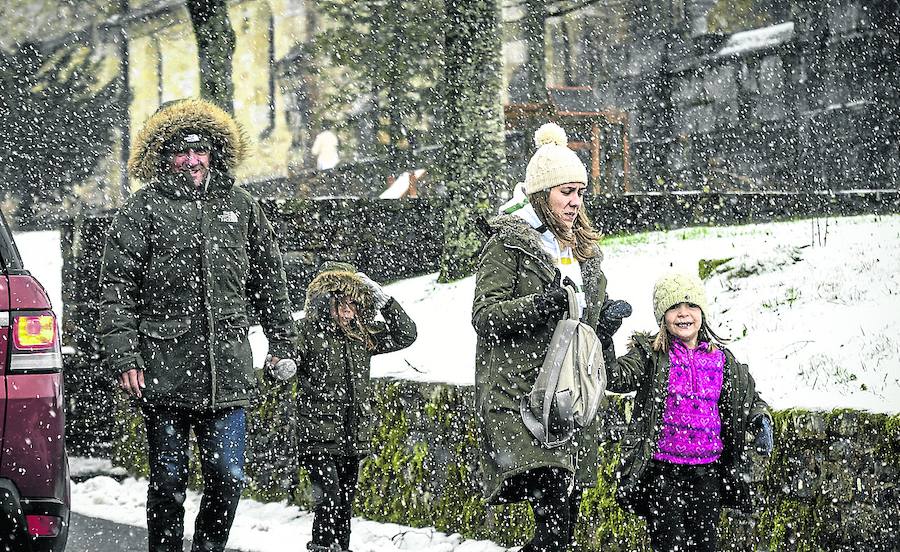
(553, 300)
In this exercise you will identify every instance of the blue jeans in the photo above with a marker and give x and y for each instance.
(221, 440)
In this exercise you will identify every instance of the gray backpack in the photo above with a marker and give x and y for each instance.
(570, 384)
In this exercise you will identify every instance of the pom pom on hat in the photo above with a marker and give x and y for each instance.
(550, 133)
(553, 163)
(675, 288)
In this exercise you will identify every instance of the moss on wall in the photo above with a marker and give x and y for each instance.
(391, 481)
(129, 449)
(602, 523)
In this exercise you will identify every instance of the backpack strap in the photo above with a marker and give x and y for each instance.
(531, 422)
(536, 427)
(573, 302)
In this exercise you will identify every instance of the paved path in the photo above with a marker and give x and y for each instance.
(88, 534)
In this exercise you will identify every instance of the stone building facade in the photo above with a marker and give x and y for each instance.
(810, 103)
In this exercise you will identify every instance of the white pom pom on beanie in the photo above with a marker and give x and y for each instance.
(677, 287)
(553, 163)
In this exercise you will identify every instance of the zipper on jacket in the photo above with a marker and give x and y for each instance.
(210, 323)
(692, 372)
(349, 414)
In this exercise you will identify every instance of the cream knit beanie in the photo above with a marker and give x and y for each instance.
(553, 163)
(677, 287)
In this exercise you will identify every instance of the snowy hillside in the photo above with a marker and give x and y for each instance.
(815, 313)
(813, 309)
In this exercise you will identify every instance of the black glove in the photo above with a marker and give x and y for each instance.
(611, 315)
(553, 300)
(764, 440)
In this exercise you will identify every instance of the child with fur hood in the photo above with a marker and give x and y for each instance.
(684, 456)
(337, 339)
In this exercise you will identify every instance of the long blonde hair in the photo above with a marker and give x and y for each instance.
(663, 340)
(582, 237)
(356, 329)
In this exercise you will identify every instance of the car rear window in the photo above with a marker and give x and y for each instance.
(10, 260)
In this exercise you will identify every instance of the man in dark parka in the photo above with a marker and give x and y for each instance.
(185, 258)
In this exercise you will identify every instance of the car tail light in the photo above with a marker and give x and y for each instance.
(43, 526)
(35, 343)
(34, 333)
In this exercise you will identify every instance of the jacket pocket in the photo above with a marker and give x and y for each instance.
(236, 322)
(164, 329)
(234, 357)
(169, 351)
(320, 422)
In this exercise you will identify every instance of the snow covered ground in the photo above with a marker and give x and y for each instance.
(813, 307)
(260, 526)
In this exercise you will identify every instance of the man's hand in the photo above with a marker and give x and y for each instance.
(132, 382)
(281, 369)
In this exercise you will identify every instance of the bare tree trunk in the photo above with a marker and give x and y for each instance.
(125, 102)
(395, 109)
(473, 130)
(215, 47)
(534, 31)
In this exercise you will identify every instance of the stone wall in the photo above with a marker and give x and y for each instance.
(809, 104)
(831, 484)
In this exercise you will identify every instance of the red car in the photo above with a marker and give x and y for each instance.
(34, 470)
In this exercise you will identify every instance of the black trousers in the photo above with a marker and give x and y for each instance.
(333, 481)
(555, 507)
(685, 503)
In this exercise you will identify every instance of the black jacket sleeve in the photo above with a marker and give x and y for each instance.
(121, 276)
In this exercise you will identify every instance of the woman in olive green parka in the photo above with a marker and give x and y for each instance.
(337, 338)
(542, 238)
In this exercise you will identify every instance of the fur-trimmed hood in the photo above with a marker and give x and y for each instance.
(338, 278)
(513, 227)
(230, 142)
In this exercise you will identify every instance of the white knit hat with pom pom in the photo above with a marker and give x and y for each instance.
(553, 163)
